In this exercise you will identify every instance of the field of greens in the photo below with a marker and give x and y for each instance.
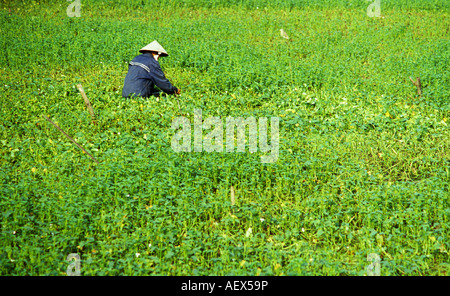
(363, 166)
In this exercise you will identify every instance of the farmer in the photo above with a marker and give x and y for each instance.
(144, 72)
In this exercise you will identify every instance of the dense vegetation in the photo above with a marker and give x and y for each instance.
(364, 163)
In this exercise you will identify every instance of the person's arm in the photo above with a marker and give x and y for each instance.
(162, 82)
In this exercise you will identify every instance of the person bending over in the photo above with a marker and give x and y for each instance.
(144, 73)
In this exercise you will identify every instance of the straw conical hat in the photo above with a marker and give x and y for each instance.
(155, 46)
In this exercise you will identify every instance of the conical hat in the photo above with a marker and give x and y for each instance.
(155, 46)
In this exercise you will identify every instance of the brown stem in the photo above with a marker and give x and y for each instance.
(88, 104)
(418, 84)
(48, 119)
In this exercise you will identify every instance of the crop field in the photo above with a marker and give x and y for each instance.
(362, 170)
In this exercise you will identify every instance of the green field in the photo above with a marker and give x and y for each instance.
(363, 166)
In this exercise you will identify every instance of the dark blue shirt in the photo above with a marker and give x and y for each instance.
(141, 82)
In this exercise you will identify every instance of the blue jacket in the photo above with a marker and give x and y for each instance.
(144, 72)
